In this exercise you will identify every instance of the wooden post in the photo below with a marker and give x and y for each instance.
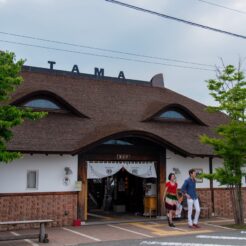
(211, 183)
(161, 179)
(82, 196)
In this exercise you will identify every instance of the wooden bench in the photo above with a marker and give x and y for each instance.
(42, 236)
(202, 207)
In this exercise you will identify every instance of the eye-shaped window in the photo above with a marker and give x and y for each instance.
(47, 101)
(172, 114)
(117, 142)
(41, 103)
(175, 113)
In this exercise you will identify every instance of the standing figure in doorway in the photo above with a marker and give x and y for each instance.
(170, 197)
(189, 190)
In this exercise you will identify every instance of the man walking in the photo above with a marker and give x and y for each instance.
(189, 190)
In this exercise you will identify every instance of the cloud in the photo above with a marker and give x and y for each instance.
(119, 28)
(2, 2)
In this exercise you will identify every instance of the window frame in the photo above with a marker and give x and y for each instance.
(186, 119)
(191, 118)
(39, 109)
(66, 107)
(42, 108)
(37, 179)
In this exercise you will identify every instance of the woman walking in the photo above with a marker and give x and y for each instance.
(171, 197)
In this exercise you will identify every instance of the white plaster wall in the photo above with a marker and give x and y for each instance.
(184, 165)
(219, 163)
(13, 176)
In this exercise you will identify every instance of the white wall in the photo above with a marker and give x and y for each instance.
(219, 163)
(184, 165)
(13, 176)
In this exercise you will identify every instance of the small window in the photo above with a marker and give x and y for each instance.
(171, 114)
(32, 179)
(117, 142)
(41, 103)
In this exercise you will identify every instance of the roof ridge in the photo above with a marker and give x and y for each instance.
(84, 75)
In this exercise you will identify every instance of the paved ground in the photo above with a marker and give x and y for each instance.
(139, 233)
(235, 238)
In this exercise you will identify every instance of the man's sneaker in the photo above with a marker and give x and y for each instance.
(191, 227)
(196, 226)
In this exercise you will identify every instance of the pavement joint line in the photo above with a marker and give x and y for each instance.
(82, 234)
(223, 227)
(178, 244)
(134, 232)
(166, 230)
(31, 242)
(220, 237)
(160, 229)
(216, 221)
(191, 232)
(179, 229)
(204, 222)
(153, 223)
(99, 216)
(222, 218)
(14, 233)
(26, 240)
(105, 222)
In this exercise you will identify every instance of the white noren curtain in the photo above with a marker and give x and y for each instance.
(98, 170)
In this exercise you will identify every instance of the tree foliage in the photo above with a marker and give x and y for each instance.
(229, 91)
(11, 116)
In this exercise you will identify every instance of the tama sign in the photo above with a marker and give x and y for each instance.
(98, 72)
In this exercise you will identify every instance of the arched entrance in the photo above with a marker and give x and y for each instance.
(122, 192)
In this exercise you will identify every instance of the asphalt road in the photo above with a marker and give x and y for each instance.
(211, 233)
(230, 238)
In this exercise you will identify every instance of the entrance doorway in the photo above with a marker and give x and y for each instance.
(120, 195)
(120, 176)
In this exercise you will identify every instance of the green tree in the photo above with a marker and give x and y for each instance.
(11, 116)
(229, 91)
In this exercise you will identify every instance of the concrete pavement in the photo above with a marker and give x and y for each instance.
(136, 232)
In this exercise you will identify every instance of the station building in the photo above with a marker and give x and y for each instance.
(107, 145)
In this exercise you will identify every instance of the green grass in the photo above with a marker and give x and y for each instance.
(241, 227)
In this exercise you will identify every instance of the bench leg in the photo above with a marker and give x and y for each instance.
(43, 238)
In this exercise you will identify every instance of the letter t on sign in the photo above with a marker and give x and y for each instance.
(51, 64)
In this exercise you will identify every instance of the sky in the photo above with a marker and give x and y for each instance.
(100, 24)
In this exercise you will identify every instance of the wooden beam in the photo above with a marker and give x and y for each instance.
(161, 181)
(82, 195)
(211, 183)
